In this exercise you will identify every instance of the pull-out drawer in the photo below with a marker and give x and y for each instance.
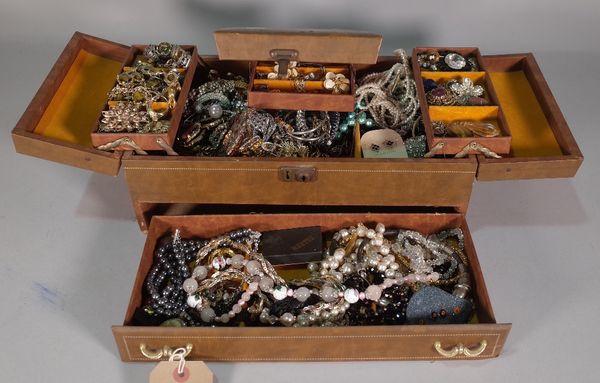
(481, 338)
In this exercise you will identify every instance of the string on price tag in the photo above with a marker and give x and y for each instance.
(179, 370)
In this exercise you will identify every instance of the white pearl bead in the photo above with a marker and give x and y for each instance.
(236, 308)
(302, 294)
(253, 267)
(207, 314)
(266, 284)
(287, 319)
(370, 233)
(384, 250)
(381, 267)
(339, 254)
(190, 285)
(252, 286)
(215, 111)
(373, 292)
(346, 268)
(200, 272)
(328, 293)
(361, 231)
(394, 266)
(339, 276)
(389, 273)
(237, 261)
(380, 228)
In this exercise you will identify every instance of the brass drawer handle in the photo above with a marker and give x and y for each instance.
(460, 349)
(165, 352)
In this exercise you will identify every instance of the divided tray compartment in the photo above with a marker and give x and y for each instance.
(151, 141)
(294, 100)
(450, 145)
(401, 342)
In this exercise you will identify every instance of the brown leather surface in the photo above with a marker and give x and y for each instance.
(26, 142)
(364, 343)
(405, 182)
(340, 47)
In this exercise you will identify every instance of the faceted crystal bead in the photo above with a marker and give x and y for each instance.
(219, 263)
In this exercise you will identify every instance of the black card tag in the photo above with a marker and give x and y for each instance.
(292, 246)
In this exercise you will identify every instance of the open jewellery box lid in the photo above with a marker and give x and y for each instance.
(320, 46)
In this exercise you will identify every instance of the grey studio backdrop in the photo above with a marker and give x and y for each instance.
(70, 244)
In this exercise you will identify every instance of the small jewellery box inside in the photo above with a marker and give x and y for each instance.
(308, 70)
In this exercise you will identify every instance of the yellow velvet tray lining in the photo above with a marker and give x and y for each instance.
(75, 107)
(531, 133)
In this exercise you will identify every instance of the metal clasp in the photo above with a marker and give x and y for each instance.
(283, 58)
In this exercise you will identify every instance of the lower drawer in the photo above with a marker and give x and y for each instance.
(314, 344)
(481, 338)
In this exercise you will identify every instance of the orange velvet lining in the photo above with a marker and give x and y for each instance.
(530, 130)
(446, 76)
(76, 105)
(456, 113)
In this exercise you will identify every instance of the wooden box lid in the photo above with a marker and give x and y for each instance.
(317, 45)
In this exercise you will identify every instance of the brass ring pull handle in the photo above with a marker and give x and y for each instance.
(460, 350)
(164, 352)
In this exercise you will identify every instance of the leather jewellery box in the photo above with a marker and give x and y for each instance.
(206, 196)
